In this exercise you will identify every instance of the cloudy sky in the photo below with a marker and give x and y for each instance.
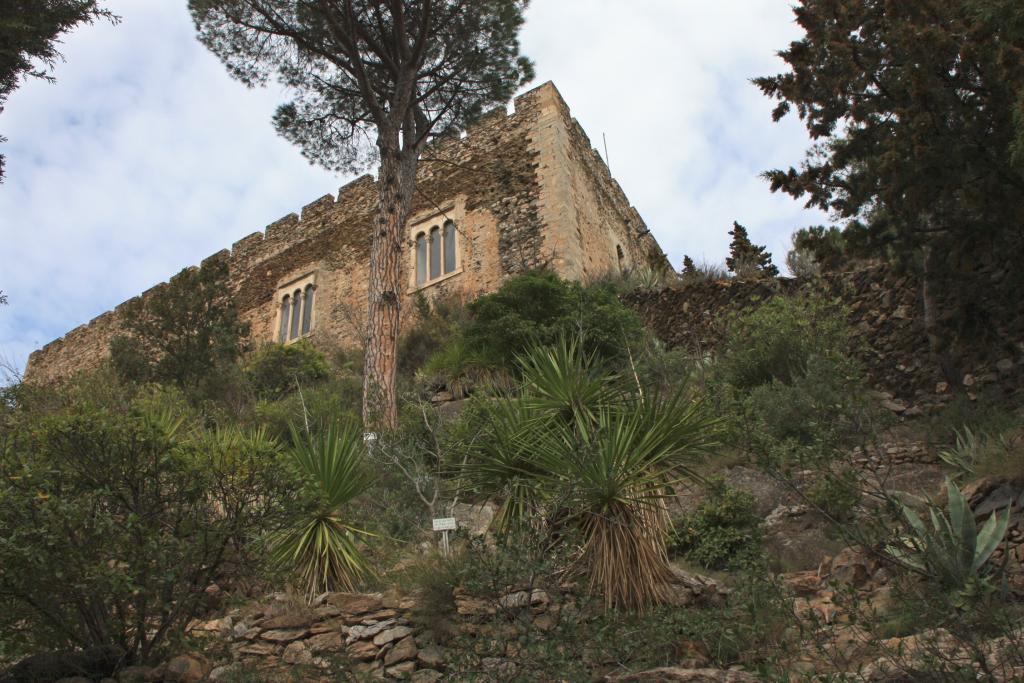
(145, 157)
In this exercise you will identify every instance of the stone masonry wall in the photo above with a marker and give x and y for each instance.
(593, 228)
(523, 189)
(887, 333)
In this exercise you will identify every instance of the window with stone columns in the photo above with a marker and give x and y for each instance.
(296, 309)
(435, 251)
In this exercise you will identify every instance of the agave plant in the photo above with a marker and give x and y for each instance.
(320, 545)
(963, 453)
(951, 549)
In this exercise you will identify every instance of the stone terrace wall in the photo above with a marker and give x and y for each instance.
(490, 172)
(888, 334)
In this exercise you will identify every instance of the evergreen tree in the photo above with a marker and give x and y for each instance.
(747, 259)
(186, 332)
(393, 72)
(917, 112)
(689, 269)
(29, 31)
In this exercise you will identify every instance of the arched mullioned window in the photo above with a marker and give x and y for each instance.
(449, 246)
(421, 259)
(296, 314)
(307, 309)
(435, 252)
(293, 330)
(286, 307)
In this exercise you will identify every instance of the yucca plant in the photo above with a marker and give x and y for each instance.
(617, 473)
(564, 382)
(502, 464)
(320, 545)
(575, 441)
(950, 549)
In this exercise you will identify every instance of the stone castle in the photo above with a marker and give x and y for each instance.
(517, 192)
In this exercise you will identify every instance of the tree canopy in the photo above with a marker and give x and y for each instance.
(29, 32)
(917, 110)
(747, 259)
(184, 332)
(373, 80)
(358, 68)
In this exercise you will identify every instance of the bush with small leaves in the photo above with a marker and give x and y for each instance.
(279, 369)
(723, 532)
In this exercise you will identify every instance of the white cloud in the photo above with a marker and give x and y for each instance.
(145, 157)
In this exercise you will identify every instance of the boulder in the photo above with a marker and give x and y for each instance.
(325, 642)
(284, 635)
(291, 620)
(475, 519)
(404, 650)
(401, 671)
(356, 603)
(190, 668)
(296, 653)
(431, 657)
(391, 635)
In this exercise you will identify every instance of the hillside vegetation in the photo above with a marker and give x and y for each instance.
(622, 507)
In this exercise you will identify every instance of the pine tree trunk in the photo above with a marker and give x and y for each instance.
(396, 184)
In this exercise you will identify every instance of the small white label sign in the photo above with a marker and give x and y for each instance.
(444, 524)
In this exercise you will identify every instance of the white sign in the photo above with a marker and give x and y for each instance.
(444, 524)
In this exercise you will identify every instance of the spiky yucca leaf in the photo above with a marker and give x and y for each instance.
(564, 381)
(614, 474)
(319, 545)
(503, 465)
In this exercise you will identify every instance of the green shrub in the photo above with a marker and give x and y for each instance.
(333, 400)
(776, 341)
(437, 326)
(723, 532)
(836, 494)
(279, 369)
(539, 308)
(110, 519)
(186, 332)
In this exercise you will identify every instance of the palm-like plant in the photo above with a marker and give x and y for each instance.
(951, 550)
(617, 473)
(319, 544)
(575, 439)
(503, 464)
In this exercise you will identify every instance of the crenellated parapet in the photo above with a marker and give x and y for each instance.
(526, 189)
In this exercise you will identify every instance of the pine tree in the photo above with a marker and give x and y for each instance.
(746, 259)
(916, 110)
(394, 72)
(689, 269)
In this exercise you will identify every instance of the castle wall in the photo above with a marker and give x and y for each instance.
(519, 186)
(590, 227)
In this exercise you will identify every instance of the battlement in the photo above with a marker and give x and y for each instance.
(495, 166)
